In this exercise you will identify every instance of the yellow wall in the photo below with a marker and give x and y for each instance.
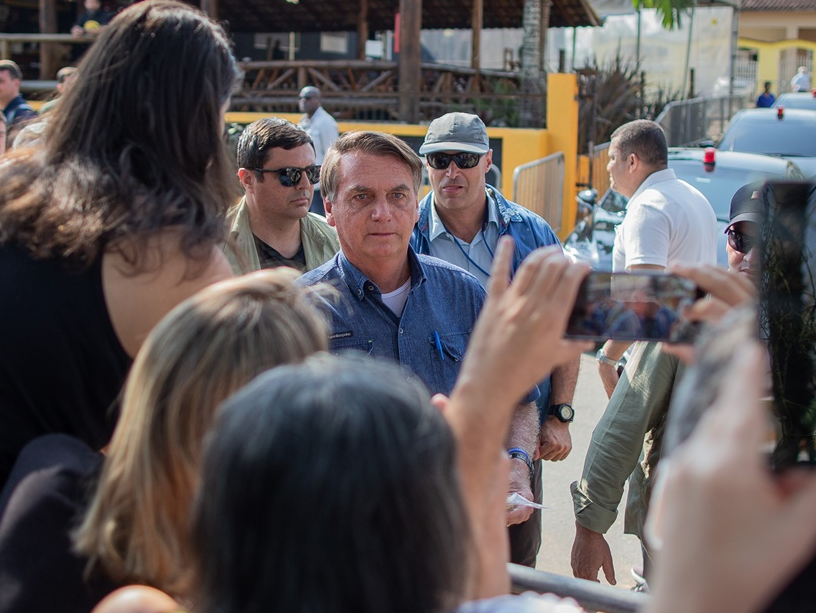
(519, 145)
(562, 126)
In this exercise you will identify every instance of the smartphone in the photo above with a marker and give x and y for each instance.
(787, 315)
(633, 307)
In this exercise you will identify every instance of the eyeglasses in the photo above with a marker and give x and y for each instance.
(291, 176)
(440, 161)
(739, 242)
(306, 97)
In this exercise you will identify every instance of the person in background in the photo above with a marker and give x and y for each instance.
(461, 221)
(627, 443)
(321, 128)
(16, 110)
(65, 77)
(667, 220)
(801, 80)
(766, 98)
(89, 23)
(271, 225)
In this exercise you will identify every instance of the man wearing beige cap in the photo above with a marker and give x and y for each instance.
(461, 221)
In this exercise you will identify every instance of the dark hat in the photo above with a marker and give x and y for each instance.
(456, 132)
(747, 204)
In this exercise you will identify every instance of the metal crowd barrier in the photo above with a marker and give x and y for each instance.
(590, 595)
(688, 122)
(539, 186)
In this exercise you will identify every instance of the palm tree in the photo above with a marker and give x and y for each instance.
(671, 12)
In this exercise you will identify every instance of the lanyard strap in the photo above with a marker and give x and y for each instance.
(484, 239)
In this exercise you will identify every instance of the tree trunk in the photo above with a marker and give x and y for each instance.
(532, 82)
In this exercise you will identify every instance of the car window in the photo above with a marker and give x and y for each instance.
(779, 138)
(719, 186)
(796, 101)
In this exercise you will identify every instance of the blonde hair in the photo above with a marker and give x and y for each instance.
(204, 350)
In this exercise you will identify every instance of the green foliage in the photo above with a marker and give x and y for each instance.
(617, 92)
(671, 12)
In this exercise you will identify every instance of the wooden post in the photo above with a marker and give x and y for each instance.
(409, 60)
(362, 30)
(530, 110)
(476, 26)
(48, 25)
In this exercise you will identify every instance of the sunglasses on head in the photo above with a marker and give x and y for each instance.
(291, 176)
(740, 242)
(440, 161)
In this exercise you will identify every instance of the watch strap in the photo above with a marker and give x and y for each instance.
(519, 454)
(605, 359)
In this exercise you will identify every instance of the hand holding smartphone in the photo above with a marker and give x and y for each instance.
(633, 307)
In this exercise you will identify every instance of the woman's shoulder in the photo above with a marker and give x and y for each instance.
(138, 296)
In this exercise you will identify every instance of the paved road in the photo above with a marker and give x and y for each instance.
(559, 523)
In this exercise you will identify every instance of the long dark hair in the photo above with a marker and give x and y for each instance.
(330, 486)
(135, 145)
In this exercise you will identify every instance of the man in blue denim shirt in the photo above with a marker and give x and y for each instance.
(461, 222)
(391, 302)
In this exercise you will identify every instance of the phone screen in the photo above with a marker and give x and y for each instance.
(787, 315)
(633, 307)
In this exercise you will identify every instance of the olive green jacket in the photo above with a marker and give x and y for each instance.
(319, 240)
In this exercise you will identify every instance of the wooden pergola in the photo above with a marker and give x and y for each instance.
(405, 17)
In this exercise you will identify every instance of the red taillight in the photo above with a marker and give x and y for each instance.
(814, 92)
(780, 112)
(709, 155)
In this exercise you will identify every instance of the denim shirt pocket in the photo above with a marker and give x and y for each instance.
(446, 357)
(340, 346)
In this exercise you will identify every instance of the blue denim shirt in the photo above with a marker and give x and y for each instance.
(529, 232)
(444, 300)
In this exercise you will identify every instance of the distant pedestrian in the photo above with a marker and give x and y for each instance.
(801, 80)
(766, 98)
(12, 104)
(322, 128)
(64, 78)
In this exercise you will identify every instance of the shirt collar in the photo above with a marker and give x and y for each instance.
(656, 177)
(437, 227)
(356, 280)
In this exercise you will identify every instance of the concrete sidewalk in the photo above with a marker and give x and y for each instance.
(559, 523)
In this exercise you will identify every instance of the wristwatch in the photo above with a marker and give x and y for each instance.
(563, 412)
(605, 359)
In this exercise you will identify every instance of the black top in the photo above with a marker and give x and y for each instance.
(61, 364)
(41, 504)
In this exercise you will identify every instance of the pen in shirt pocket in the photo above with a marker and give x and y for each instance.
(438, 343)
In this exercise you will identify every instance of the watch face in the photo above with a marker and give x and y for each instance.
(567, 412)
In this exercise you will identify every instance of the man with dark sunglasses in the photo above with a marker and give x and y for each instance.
(460, 222)
(271, 226)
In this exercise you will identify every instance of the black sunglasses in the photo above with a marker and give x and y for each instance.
(291, 176)
(440, 161)
(739, 242)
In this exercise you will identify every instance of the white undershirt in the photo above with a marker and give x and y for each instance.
(396, 300)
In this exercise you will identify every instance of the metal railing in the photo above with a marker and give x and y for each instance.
(539, 186)
(689, 122)
(590, 595)
(599, 177)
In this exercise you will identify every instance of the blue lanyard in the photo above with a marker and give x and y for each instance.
(484, 238)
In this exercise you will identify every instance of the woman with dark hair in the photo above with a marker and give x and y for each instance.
(111, 223)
